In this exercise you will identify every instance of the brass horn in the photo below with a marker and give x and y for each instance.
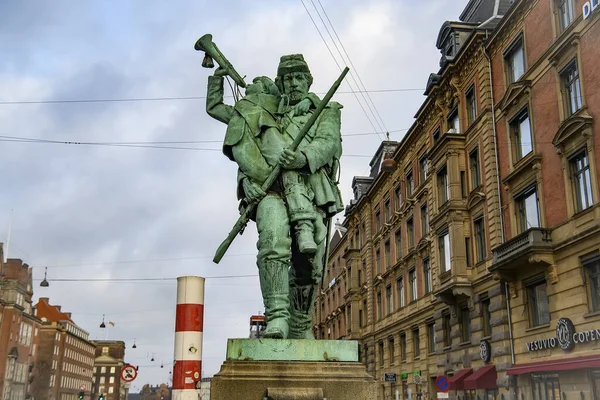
(212, 52)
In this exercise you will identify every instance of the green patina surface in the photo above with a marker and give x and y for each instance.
(291, 350)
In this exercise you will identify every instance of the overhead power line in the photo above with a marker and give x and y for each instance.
(177, 98)
(140, 279)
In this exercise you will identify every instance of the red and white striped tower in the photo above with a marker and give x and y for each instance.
(189, 321)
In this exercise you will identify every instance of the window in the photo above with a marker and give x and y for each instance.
(410, 184)
(388, 210)
(474, 168)
(471, 105)
(379, 306)
(486, 317)
(403, 346)
(436, 135)
(447, 329)
(105, 350)
(412, 280)
(102, 379)
(387, 248)
(364, 272)
(521, 135)
(423, 169)
(377, 221)
(427, 275)
(581, 180)
(391, 347)
(463, 184)
(400, 291)
(364, 312)
(515, 61)
(110, 389)
(479, 230)
(389, 300)
(442, 186)
(528, 210)
(465, 324)
(468, 251)
(378, 261)
(357, 239)
(431, 337)
(444, 250)
(424, 220)
(565, 13)
(410, 232)
(381, 354)
(572, 88)
(112, 370)
(545, 387)
(539, 313)
(416, 343)
(592, 268)
(103, 369)
(111, 379)
(398, 244)
(454, 121)
(397, 197)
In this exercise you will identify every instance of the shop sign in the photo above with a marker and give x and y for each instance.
(589, 7)
(404, 375)
(389, 377)
(566, 337)
(485, 351)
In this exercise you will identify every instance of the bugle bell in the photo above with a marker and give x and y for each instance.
(212, 52)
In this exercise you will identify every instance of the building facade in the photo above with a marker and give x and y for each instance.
(545, 71)
(66, 356)
(474, 239)
(19, 330)
(109, 360)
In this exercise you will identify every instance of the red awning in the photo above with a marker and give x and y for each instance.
(483, 378)
(556, 365)
(456, 380)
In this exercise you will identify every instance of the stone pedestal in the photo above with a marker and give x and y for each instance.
(274, 369)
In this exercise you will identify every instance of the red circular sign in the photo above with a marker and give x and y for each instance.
(442, 384)
(128, 373)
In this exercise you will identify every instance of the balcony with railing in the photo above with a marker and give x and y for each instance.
(530, 247)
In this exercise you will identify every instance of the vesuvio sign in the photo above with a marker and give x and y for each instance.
(566, 337)
(589, 7)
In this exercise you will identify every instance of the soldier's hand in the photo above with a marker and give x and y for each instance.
(302, 107)
(220, 71)
(253, 191)
(292, 159)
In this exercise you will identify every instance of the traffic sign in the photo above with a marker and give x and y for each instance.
(82, 387)
(442, 384)
(128, 373)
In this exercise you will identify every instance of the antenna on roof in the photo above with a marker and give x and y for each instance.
(8, 236)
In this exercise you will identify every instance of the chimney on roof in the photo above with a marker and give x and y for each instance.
(58, 307)
(68, 314)
(44, 299)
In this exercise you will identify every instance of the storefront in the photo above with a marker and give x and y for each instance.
(479, 384)
(562, 374)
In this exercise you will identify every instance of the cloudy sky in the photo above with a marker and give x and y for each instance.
(105, 211)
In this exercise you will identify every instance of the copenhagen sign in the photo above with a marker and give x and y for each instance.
(566, 337)
(589, 7)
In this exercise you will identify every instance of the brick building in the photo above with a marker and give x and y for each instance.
(109, 359)
(65, 358)
(546, 72)
(18, 330)
(454, 256)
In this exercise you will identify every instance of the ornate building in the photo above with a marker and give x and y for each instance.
(19, 330)
(457, 247)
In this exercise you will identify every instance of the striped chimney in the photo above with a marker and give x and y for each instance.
(189, 321)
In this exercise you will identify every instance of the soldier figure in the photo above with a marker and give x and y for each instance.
(261, 127)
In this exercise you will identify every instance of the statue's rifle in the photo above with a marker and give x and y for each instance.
(245, 216)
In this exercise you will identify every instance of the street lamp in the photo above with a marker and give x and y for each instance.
(102, 325)
(134, 346)
(45, 283)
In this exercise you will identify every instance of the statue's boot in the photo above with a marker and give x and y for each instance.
(302, 300)
(274, 285)
(305, 237)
